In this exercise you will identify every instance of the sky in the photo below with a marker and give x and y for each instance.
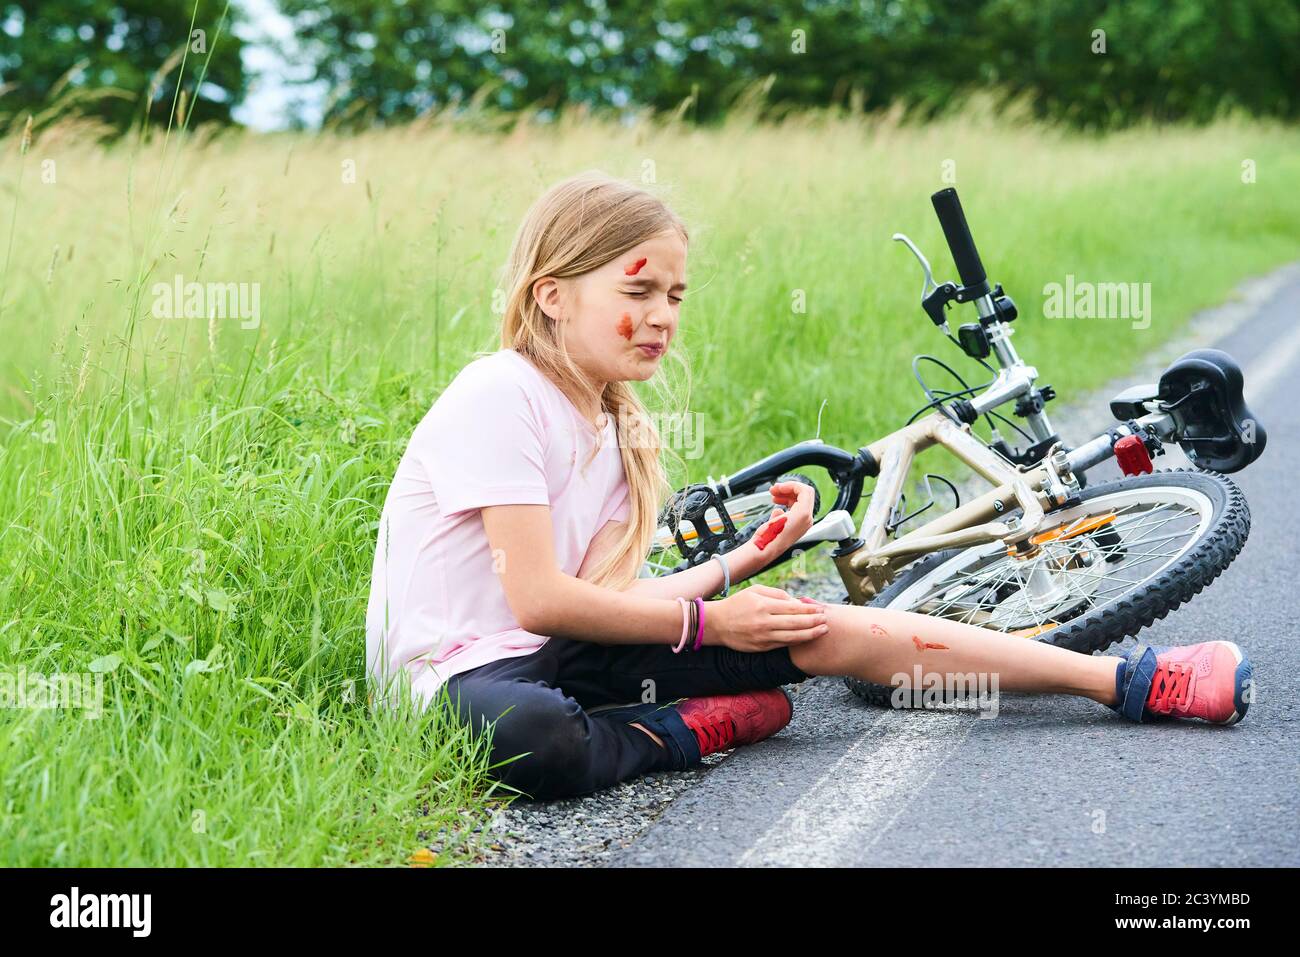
(271, 102)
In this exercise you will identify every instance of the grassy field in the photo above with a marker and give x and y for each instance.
(188, 505)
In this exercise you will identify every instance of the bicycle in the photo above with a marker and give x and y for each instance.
(1040, 555)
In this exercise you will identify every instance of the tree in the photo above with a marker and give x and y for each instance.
(389, 60)
(1102, 64)
(105, 58)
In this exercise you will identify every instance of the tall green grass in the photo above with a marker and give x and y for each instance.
(188, 507)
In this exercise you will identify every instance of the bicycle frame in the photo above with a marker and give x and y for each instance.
(867, 561)
(871, 562)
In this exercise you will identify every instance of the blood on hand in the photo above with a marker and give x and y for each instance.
(769, 532)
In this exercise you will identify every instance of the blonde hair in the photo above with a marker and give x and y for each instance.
(578, 225)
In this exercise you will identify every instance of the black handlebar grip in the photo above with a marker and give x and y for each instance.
(948, 207)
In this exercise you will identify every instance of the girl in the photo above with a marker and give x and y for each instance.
(522, 510)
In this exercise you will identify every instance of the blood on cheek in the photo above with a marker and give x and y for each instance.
(625, 324)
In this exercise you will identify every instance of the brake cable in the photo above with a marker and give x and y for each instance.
(937, 398)
(935, 402)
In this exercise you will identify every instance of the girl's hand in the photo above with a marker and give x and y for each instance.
(760, 618)
(784, 528)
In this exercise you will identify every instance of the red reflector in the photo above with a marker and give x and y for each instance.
(1132, 455)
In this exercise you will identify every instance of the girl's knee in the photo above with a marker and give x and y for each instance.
(827, 655)
(856, 634)
(542, 746)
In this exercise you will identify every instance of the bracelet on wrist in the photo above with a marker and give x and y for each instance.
(686, 630)
(699, 629)
(726, 575)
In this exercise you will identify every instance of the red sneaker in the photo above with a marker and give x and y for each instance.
(720, 722)
(1211, 680)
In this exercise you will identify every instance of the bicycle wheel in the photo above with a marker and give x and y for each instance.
(1128, 553)
(748, 511)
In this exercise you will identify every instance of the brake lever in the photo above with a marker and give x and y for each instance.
(935, 297)
(925, 263)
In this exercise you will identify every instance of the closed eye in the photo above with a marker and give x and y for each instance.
(644, 293)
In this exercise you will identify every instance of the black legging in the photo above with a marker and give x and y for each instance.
(539, 702)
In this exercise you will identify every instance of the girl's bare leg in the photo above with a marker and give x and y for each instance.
(875, 644)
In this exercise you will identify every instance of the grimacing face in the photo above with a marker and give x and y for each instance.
(621, 317)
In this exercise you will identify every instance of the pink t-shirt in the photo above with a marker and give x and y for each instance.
(501, 433)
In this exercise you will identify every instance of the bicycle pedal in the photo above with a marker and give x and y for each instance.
(694, 503)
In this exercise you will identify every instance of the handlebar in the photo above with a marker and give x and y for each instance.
(847, 470)
(948, 208)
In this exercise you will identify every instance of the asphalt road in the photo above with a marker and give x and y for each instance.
(1052, 780)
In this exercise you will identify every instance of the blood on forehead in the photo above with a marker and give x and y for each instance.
(635, 268)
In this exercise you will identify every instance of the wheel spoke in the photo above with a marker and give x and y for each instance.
(976, 589)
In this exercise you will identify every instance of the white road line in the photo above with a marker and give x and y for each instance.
(860, 796)
(1264, 373)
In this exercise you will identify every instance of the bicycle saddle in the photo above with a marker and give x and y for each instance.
(1217, 430)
